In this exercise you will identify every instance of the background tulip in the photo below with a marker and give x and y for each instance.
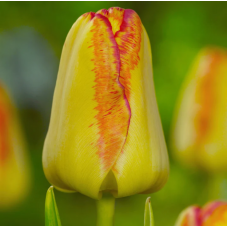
(189, 217)
(212, 214)
(200, 126)
(14, 171)
(105, 132)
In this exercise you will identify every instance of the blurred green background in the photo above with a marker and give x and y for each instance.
(31, 38)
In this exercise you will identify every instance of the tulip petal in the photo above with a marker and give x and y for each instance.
(115, 16)
(4, 132)
(14, 168)
(200, 121)
(214, 214)
(189, 217)
(142, 166)
(105, 129)
(90, 113)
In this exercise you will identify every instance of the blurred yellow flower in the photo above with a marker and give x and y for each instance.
(105, 132)
(212, 214)
(14, 171)
(200, 123)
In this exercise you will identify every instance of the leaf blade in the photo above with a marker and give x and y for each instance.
(148, 213)
(52, 217)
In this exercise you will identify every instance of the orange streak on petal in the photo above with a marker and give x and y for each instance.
(115, 16)
(206, 95)
(113, 112)
(4, 132)
(128, 39)
(89, 14)
(186, 220)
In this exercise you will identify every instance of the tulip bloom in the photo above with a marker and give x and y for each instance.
(212, 214)
(14, 174)
(105, 132)
(200, 127)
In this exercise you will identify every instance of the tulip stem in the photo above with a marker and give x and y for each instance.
(105, 210)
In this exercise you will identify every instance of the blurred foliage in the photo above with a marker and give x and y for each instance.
(35, 33)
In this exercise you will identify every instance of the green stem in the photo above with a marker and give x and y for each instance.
(105, 210)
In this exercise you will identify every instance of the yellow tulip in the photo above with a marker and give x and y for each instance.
(212, 214)
(105, 132)
(14, 171)
(200, 125)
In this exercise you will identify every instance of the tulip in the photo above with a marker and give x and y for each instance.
(14, 171)
(200, 123)
(212, 214)
(105, 133)
(189, 217)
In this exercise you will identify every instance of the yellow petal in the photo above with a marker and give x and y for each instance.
(199, 136)
(142, 166)
(105, 132)
(14, 169)
(90, 115)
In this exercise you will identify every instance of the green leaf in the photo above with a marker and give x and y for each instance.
(148, 213)
(51, 211)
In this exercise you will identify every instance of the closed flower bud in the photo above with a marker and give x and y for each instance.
(105, 132)
(14, 171)
(212, 214)
(200, 125)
